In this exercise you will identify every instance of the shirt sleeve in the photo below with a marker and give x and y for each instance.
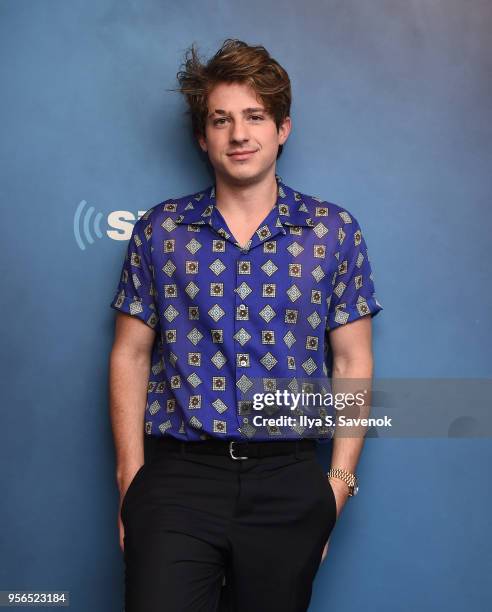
(135, 294)
(353, 294)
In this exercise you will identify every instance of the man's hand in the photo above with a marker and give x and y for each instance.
(341, 491)
(124, 483)
(121, 529)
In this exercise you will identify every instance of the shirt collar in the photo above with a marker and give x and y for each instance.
(291, 210)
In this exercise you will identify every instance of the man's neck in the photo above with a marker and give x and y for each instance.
(246, 200)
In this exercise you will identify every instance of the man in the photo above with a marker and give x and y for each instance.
(248, 281)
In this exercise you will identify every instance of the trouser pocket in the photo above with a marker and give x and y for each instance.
(326, 487)
(131, 490)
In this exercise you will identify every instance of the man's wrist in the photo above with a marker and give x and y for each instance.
(126, 472)
(338, 482)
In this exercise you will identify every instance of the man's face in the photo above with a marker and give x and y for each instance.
(237, 122)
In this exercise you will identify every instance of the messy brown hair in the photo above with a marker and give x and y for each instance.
(234, 62)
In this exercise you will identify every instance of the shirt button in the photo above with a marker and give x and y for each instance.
(245, 419)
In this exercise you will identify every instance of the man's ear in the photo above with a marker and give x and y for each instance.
(202, 142)
(284, 130)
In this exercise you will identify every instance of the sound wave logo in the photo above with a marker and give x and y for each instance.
(84, 225)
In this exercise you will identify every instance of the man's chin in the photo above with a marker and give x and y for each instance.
(243, 174)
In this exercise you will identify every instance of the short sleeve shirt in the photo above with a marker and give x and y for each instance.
(227, 314)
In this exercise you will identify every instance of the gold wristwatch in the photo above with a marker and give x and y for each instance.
(347, 477)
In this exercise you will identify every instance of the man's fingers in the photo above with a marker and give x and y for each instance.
(122, 533)
(325, 550)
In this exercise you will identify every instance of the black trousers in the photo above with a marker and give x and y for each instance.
(192, 521)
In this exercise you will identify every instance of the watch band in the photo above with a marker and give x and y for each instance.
(347, 477)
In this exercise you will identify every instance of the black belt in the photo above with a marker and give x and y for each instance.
(236, 449)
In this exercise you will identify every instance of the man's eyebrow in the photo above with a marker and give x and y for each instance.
(256, 109)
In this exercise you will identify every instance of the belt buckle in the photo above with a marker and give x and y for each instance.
(231, 451)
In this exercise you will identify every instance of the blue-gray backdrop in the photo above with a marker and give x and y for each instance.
(391, 119)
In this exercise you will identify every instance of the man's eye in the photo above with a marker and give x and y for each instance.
(222, 120)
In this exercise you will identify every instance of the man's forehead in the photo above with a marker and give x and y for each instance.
(233, 97)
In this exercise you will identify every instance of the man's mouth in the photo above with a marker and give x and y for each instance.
(241, 154)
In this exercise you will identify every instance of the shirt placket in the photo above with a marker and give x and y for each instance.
(248, 260)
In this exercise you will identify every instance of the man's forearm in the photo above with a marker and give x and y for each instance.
(128, 380)
(349, 377)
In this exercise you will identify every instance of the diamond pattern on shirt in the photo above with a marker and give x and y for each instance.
(228, 315)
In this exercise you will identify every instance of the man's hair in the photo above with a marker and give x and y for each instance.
(234, 62)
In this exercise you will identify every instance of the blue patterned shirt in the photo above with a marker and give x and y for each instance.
(226, 314)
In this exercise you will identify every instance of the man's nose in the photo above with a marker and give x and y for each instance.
(239, 132)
